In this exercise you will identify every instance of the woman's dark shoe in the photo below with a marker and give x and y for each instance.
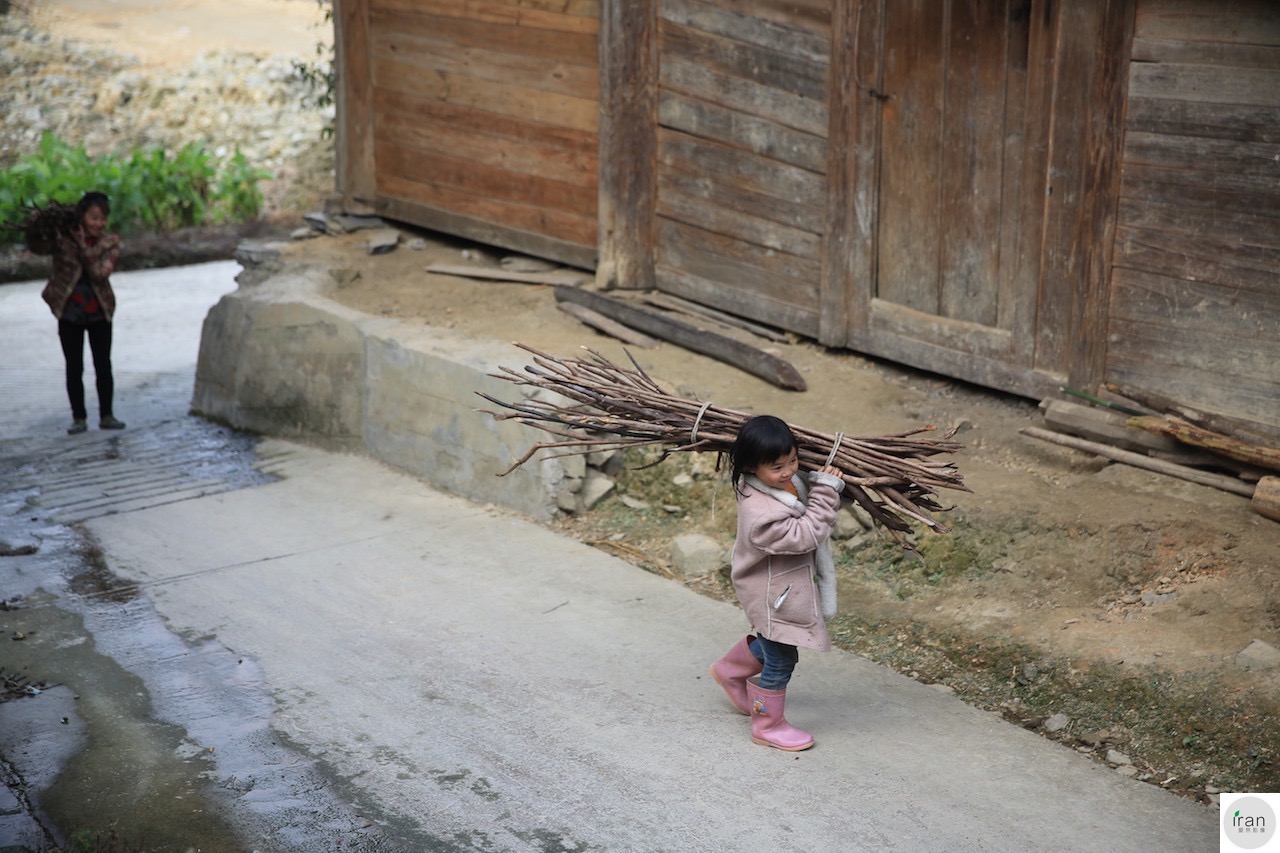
(109, 422)
(77, 426)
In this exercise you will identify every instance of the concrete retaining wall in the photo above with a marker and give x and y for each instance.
(278, 358)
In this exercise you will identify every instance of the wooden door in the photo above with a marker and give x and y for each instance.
(953, 120)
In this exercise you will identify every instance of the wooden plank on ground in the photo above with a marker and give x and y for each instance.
(1232, 448)
(1137, 460)
(601, 323)
(757, 362)
(557, 277)
(1107, 427)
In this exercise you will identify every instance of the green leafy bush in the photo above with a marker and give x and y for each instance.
(151, 190)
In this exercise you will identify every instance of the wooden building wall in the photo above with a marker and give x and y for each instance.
(1016, 193)
(479, 119)
(1194, 311)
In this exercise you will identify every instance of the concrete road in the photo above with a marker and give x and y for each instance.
(470, 681)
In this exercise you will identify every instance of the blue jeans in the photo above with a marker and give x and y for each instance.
(779, 661)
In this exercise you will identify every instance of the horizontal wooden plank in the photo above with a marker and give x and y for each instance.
(1257, 86)
(1156, 209)
(740, 26)
(1228, 191)
(486, 182)
(727, 297)
(581, 48)
(738, 168)
(691, 78)
(1246, 123)
(771, 68)
(508, 99)
(730, 127)
(690, 180)
(1192, 345)
(999, 373)
(958, 335)
(421, 109)
(430, 55)
(1255, 164)
(496, 214)
(716, 256)
(581, 16)
(401, 123)
(694, 209)
(1247, 22)
(1256, 211)
(812, 15)
(1207, 53)
(1195, 257)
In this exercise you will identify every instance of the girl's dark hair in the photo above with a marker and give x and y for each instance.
(92, 199)
(761, 440)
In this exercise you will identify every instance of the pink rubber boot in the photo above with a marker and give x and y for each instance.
(732, 670)
(768, 725)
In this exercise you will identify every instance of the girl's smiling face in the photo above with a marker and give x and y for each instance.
(778, 473)
(95, 222)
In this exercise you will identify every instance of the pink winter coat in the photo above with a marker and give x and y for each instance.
(774, 558)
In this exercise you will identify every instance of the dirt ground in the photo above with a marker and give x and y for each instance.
(1069, 585)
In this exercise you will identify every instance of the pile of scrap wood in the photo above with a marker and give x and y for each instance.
(1176, 440)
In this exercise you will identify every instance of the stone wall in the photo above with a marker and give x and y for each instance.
(279, 358)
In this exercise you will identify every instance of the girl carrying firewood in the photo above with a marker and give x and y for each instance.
(782, 572)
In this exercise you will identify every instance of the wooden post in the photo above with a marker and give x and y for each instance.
(353, 98)
(628, 143)
(1096, 40)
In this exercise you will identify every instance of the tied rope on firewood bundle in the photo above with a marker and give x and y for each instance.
(895, 478)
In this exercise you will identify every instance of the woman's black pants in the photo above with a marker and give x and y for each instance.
(72, 336)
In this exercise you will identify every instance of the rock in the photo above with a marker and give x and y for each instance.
(319, 222)
(383, 240)
(253, 253)
(417, 244)
(1258, 656)
(1127, 770)
(1056, 723)
(682, 480)
(306, 232)
(851, 521)
(1116, 757)
(634, 503)
(595, 488)
(348, 223)
(696, 555)
(567, 495)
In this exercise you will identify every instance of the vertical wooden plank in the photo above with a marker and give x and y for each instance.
(972, 160)
(353, 128)
(864, 55)
(911, 140)
(1022, 190)
(1103, 142)
(628, 143)
(838, 275)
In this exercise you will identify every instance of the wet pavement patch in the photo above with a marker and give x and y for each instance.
(115, 734)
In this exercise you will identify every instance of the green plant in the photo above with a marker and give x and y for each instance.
(150, 189)
(321, 75)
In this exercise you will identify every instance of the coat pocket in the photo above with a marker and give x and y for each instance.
(791, 597)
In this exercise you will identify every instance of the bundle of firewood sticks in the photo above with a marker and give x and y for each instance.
(598, 405)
